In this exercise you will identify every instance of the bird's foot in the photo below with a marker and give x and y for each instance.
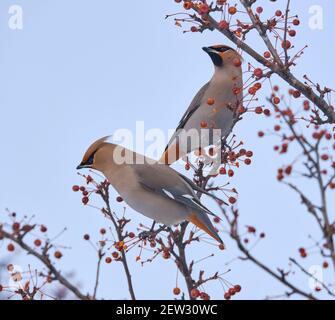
(151, 234)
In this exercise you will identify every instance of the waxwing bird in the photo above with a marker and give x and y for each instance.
(153, 189)
(211, 113)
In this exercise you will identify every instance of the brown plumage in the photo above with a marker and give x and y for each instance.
(153, 189)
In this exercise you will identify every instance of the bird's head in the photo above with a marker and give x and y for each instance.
(105, 156)
(222, 55)
(95, 154)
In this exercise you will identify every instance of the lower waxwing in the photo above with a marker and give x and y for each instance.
(153, 189)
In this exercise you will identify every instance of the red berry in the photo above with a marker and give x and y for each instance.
(195, 293)
(258, 72)
(203, 124)
(267, 54)
(232, 200)
(247, 161)
(276, 100)
(325, 157)
(131, 235)
(223, 170)
(75, 188)
(288, 170)
(296, 22)
(292, 33)
(58, 254)
(10, 247)
(115, 255)
(176, 291)
(108, 260)
(37, 242)
(204, 8)
(223, 25)
(259, 10)
(232, 10)
(227, 296)
(166, 254)
(286, 44)
(237, 288)
(188, 5)
(102, 231)
(204, 296)
(231, 291)
(85, 200)
(237, 62)
(16, 226)
(259, 110)
(230, 173)
(325, 265)
(249, 154)
(251, 229)
(252, 91)
(260, 134)
(210, 101)
(217, 220)
(86, 237)
(119, 199)
(43, 228)
(221, 246)
(278, 13)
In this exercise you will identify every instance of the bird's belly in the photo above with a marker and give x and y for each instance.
(156, 207)
(208, 124)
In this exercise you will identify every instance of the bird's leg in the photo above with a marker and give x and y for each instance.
(153, 226)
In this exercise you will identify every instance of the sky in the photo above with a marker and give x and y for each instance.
(78, 71)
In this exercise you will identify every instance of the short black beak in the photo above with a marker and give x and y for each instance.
(79, 167)
(206, 49)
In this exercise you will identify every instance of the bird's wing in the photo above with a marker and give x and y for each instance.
(166, 182)
(195, 104)
(199, 189)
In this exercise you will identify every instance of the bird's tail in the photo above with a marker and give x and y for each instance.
(201, 220)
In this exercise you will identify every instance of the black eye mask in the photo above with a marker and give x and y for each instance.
(220, 49)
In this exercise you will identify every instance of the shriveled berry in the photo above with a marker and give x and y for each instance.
(176, 291)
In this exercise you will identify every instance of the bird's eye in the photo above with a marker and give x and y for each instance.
(90, 160)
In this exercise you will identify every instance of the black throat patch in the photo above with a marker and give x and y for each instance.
(217, 60)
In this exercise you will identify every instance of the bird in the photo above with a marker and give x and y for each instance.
(149, 187)
(210, 116)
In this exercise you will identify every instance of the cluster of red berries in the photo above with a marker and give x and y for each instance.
(232, 291)
(196, 293)
(284, 171)
(85, 199)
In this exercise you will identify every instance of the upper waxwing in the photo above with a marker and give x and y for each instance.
(213, 107)
(153, 189)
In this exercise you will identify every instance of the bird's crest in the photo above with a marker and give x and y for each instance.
(94, 147)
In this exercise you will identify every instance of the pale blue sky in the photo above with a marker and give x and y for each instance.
(78, 71)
